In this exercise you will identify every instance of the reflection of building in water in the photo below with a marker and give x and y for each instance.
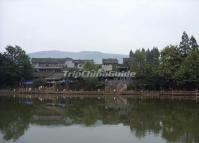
(117, 103)
(52, 112)
(49, 115)
(51, 119)
(116, 85)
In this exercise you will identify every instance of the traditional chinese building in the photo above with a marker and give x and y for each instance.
(109, 64)
(52, 68)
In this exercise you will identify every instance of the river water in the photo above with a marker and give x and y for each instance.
(92, 120)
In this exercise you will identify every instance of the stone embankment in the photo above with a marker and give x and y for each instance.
(190, 95)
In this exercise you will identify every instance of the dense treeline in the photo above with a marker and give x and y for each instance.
(175, 67)
(15, 67)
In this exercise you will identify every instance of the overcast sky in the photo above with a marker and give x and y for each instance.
(113, 26)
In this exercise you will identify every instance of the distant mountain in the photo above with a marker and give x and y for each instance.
(96, 56)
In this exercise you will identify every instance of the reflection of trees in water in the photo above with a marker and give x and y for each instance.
(175, 122)
(14, 120)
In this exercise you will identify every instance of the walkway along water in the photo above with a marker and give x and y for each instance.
(51, 94)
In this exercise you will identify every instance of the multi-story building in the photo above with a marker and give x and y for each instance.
(51, 64)
(109, 64)
(52, 68)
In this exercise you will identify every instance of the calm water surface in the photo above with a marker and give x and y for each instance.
(109, 120)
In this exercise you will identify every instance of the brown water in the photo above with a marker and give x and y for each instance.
(109, 120)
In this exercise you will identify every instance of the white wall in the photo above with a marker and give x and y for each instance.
(69, 64)
(107, 67)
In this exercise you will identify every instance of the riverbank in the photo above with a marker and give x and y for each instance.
(51, 94)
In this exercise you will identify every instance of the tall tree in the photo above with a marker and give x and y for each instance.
(152, 56)
(151, 69)
(170, 62)
(15, 66)
(184, 46)
(21, 61)
(8, 71)
(138, 62)
(189, 70)
(131, 53)
(193, 43)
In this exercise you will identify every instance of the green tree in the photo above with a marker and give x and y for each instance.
(8, 71)
(131, 53)
(15, 66)
(152, 56)
(151, 69)
(89, 65)
(170, 62)
(174, 66)
(193, 43)
(184, 46)
(138, 62)
(138, 65)
(189, 71)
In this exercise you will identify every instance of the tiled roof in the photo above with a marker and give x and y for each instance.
(82, 61)
(50, 60)
(110, 61)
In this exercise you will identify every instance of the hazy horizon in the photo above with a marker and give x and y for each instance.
(76, 51)
(113, 26)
